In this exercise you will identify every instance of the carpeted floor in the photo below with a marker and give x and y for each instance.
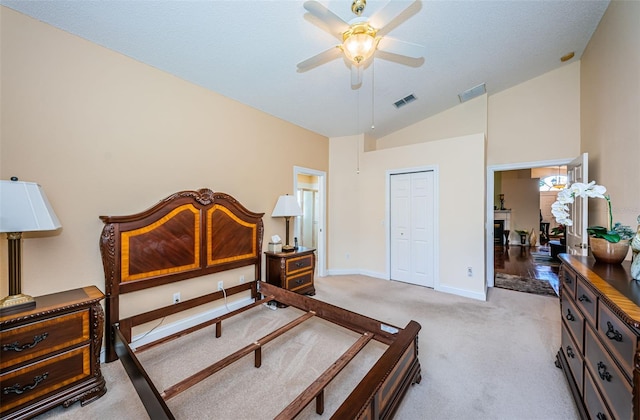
(522, 284)
(480, 360)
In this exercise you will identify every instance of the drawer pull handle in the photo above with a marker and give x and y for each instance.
(602, 371)
(570, 316)
(570, 352)
(15, 346)
(584, 298)
(569, 280)
(299, 264)
(17, 389)
(299, 281)
(601, 416)
(613, 334)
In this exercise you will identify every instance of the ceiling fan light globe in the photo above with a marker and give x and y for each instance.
(359, 47)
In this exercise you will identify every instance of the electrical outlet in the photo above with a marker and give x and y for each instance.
(220, 285)
(241, 279)
(469, 272)
(176, 297)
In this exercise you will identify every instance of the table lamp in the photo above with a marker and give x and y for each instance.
(287, 206)
(23, 208)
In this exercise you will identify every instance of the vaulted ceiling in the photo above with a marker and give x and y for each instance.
(248, 51)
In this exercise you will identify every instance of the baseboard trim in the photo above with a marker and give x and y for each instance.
(462, 292)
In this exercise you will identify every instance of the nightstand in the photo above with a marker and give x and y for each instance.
(51, 353)
(293, 271)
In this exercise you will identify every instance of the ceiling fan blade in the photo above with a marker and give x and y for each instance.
(400, 59)
(392, 15)
(398, 47)
(356, 76)
(331, 22)
(318, 59)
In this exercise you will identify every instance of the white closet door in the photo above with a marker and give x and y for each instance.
(412, 228)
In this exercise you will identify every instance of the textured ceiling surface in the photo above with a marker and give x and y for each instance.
(248, 51)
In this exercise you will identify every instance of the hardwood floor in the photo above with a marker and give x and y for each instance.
(526, 261)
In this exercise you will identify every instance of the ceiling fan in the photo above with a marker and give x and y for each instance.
(361, 37)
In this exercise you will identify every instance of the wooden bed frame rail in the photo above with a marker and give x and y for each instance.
(196, 233)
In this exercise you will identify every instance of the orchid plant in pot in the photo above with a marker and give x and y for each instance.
(608, 244)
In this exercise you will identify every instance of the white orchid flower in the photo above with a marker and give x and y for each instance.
(560, 209)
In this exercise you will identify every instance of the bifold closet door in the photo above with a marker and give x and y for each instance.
(412, 227)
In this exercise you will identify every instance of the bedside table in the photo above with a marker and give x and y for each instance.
(293, 271)
(50, 355)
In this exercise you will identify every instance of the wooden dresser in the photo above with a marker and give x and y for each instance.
(51, 354)
(600, 306)
(292, 270)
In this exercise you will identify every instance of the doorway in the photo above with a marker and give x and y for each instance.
(310, 189)
(489, 228)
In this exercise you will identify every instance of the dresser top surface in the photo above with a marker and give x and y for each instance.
(56, 302)
(613, 281)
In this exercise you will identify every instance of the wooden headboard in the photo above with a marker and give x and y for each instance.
(188, 234)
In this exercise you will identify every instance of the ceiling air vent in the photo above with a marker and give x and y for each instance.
(404, 101)
(472, 93)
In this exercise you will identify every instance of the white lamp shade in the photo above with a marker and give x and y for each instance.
(24, 207)
(286, 206)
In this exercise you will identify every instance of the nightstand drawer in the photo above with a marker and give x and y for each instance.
(300, 281)
(41, 338)
(23, 385)
(618, 338)
(613, 384)
(295, 265)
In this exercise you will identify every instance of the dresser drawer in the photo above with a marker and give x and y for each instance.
(299, 281)
(573, 356)
(586, 301)
(618, 338)
(295, 265)
(593, 400)
(34, 340)
(23, 385)
(574, 321)
(568, 280)
(612, 383)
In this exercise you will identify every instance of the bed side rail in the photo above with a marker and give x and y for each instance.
(149, 395)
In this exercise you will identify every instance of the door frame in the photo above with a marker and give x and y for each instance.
(491, 170)
(436, 217)
(321, 265)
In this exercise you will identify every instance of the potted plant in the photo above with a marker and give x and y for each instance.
(608, 244)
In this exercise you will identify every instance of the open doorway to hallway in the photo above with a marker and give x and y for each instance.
(519, 195)
(309, 229)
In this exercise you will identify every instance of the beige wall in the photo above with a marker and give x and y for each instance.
(467, 118)
(537, 120)
(610, 111)
(522, 196)
(359, 201)
(106, 135)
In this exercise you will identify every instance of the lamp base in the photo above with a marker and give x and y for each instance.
(288, 248)
(16, 303)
